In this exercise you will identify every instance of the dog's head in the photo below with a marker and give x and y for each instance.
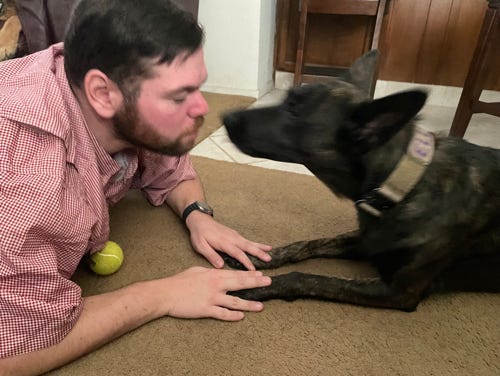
(324, 127)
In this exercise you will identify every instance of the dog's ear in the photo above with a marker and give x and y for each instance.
(361, 72)
(375, 122)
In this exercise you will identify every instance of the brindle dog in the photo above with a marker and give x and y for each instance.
(428, 207)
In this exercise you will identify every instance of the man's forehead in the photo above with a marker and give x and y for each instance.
(188, 73)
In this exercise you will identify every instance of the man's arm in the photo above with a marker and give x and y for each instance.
(186, 192)
(195, 293)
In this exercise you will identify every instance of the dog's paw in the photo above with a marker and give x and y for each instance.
(261, 294)
(258, 294)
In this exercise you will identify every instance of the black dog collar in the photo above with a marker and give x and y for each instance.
(404, 177)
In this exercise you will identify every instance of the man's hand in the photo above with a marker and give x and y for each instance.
(201, 292)
(209, 236)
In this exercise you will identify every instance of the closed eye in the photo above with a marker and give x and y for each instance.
(179, 100)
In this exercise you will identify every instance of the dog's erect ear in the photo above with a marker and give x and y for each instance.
(377, 121)
(361, 72)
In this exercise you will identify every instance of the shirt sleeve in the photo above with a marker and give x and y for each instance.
(38, 305)
(159, 174)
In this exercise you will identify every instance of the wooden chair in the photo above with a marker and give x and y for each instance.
(373, 8)
(488, 40)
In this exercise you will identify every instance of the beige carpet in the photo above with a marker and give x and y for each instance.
(218, 104)
(455, 334)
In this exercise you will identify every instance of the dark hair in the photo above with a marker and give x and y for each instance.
(125, 38)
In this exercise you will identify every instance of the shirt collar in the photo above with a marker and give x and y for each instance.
(37, 93)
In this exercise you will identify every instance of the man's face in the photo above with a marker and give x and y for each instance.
(169, 109)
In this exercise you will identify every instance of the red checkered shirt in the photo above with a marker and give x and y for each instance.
(56, 183)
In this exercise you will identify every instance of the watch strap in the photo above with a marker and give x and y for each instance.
(192, 207)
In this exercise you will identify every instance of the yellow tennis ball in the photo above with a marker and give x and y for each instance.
(108, 260)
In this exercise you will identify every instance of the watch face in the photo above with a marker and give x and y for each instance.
(204, 207)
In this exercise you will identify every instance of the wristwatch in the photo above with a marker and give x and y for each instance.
(197, 205)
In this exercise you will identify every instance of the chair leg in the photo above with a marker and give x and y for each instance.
(475, 79)
(374, 45)
(378, 24)
(299, 61)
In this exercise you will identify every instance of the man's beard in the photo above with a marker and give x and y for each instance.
(135, 131)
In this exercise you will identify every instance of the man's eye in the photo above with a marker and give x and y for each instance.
(179, 100)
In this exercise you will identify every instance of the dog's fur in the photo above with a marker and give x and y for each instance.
(444, 235)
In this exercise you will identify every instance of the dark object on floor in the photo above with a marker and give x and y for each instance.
(428, 207)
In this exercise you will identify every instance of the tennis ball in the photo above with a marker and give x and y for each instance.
(108, 260)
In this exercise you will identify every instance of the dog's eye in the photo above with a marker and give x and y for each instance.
(304, 99)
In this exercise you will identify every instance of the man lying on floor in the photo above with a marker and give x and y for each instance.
(118, 106)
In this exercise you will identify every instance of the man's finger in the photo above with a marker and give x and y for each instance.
(241, 256)
(214, 259)
(247, 282)
(260, 254)
(212, 256)
(261, 251)
(225, 314)
(236, 303)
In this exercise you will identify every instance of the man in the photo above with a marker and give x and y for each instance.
(120, 109)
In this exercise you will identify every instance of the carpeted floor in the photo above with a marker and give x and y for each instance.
(218, 104)
(455, 334)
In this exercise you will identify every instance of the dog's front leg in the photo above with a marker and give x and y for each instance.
(371, 292)
(342, 246)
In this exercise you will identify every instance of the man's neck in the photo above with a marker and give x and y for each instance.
(102, 129)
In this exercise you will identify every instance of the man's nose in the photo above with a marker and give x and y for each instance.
(199, 106)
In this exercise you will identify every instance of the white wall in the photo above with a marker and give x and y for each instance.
(239, 45)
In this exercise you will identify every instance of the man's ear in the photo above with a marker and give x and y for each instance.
(103, 95)
(375, 122)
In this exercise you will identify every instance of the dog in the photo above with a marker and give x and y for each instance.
(428, 206)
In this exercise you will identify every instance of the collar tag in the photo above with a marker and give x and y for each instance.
(404, 177)
(421, 146)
